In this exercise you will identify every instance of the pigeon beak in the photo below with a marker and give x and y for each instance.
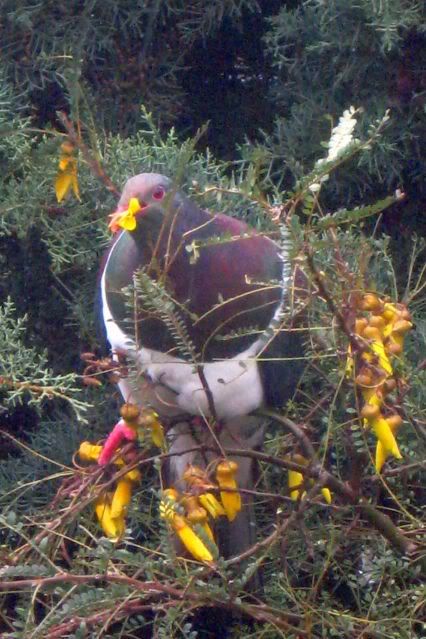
(125, 218)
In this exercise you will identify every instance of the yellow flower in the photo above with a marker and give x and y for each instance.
(384, 434)
(374, 418)
(394, 422)
(66, 178)
(197, 515)
(89, 452)
(180, 525)
(121, 498)
(190, 540)
(376, 344)
(295, 483)
(225, 475)
(212, 505)
(113, 528)
(151, 421)
(326, 494)
(111, 508)
(125, 219)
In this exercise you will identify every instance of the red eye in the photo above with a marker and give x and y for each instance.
(158, 193)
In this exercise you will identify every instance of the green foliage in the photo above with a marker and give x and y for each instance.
(327, 57)
(151, 295)
(117, 50)
(330, 572)
(24, 371)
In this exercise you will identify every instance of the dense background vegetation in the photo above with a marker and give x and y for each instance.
(130, 83)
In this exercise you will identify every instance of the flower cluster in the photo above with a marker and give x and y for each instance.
(384, 329)
(341, 135)
(341, 138)
(189, 513)
(66, 178)
(111, 507)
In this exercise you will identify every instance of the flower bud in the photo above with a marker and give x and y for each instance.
(370, 412)
(129, 412)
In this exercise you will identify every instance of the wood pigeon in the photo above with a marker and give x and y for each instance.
(210, 335)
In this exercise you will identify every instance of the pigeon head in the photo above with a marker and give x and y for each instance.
(142, 194)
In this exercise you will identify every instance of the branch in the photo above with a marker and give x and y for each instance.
(291, 426)
(259, 612)
(387, 528)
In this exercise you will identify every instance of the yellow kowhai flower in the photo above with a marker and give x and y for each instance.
(121, 498)
(371, 302)
(66, 178)
(212, 505)
(295, 481)
(139, 420)
(89, 452)
(385, 329)
(376, 344)
(395, 341)
(197, 515)
(198, 483)
(125, 219)
(113, 528)
(394, 422)
(180, 525)
(372, 414)
(151, 420)
(111, 507)
(190, 540)
(231, 498)
(123, 493)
